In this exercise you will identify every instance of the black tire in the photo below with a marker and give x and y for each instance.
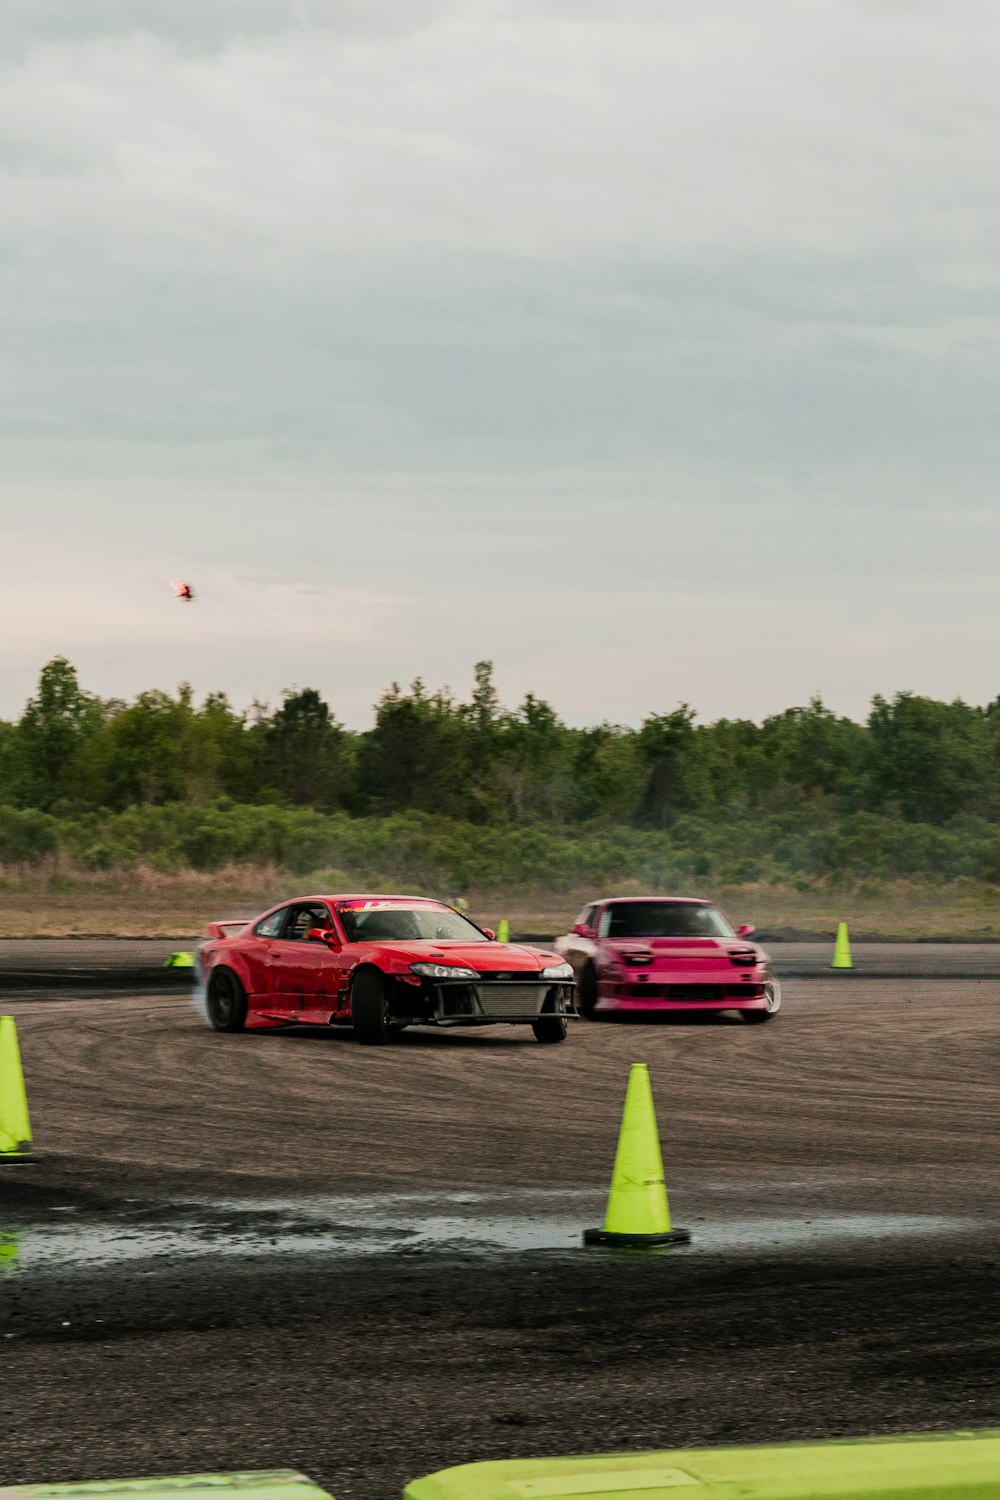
(586, 991)
(370, 1008)
(772, 990)
(225, 1001)
(549, 1029)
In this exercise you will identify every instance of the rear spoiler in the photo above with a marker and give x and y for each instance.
(218, 929)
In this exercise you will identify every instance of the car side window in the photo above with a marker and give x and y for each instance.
(271, 927)
(304, 919)
(604, 922)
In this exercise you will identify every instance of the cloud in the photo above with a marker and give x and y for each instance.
(613, 594)
(486, 311)
(109, 607)
(826, 129)
(205, 26)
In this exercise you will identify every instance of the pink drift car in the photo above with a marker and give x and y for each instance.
(660, 953)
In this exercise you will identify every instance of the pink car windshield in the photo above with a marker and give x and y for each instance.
(663, 919)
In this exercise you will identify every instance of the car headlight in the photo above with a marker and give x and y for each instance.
(444, 971)
(558, 971)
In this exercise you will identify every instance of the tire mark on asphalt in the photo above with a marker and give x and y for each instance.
(895, 1082)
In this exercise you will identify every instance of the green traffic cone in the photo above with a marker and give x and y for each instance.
(842, 949)
(179, 961)
(638, 1212)
(15, 1126)
(503, 930)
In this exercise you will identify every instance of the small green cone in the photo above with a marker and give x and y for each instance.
(842, 949)
(638, 1212)
(15, 1126)
(10, 1246)
(503, 930)
(179, 961)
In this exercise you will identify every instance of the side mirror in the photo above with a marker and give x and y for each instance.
(323, 935)
(746, 931)
(581, 930)
(490, 934)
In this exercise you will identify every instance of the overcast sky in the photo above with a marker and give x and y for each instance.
(649, 349)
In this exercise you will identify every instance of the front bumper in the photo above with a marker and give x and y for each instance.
(662, 992)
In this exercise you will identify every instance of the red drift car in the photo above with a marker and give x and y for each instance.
(656, 953)
(378, 964)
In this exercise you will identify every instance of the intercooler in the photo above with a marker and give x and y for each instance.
(516, 1001)
(493, 999)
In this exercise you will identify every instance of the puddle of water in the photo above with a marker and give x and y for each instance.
(355, 1231)
(364, 1208)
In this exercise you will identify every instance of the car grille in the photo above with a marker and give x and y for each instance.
(709, 991)
(696, 991)
(517, 1000)
(691, 993)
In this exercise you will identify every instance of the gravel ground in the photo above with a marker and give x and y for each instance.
(182, 1291)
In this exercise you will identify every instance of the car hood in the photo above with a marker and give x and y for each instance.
(485, 958)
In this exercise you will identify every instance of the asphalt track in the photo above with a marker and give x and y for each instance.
(116, 965)
(286, 1249)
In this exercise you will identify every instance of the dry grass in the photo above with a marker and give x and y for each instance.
(143, 903)
(902, 909)
(149, 903)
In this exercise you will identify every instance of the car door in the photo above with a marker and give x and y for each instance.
(342, 957)
(303, 969)
(260, 955)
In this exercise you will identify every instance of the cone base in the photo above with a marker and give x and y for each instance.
(608, 1237)
(8, 1159)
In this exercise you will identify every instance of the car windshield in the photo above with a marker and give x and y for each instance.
(666, 919)
(393, 922)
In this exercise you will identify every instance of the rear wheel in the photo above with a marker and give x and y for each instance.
(226, 1001)
(772, 994)
(370, 1008)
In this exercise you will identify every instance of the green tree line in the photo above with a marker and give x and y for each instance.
(915, 788)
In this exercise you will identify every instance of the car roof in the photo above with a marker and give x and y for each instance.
(642, 900)
(364, 896)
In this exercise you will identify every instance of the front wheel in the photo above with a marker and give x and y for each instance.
(370, 1008)
(772, 994)
(586, 991)
(549, 1029)
(225, 1002)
